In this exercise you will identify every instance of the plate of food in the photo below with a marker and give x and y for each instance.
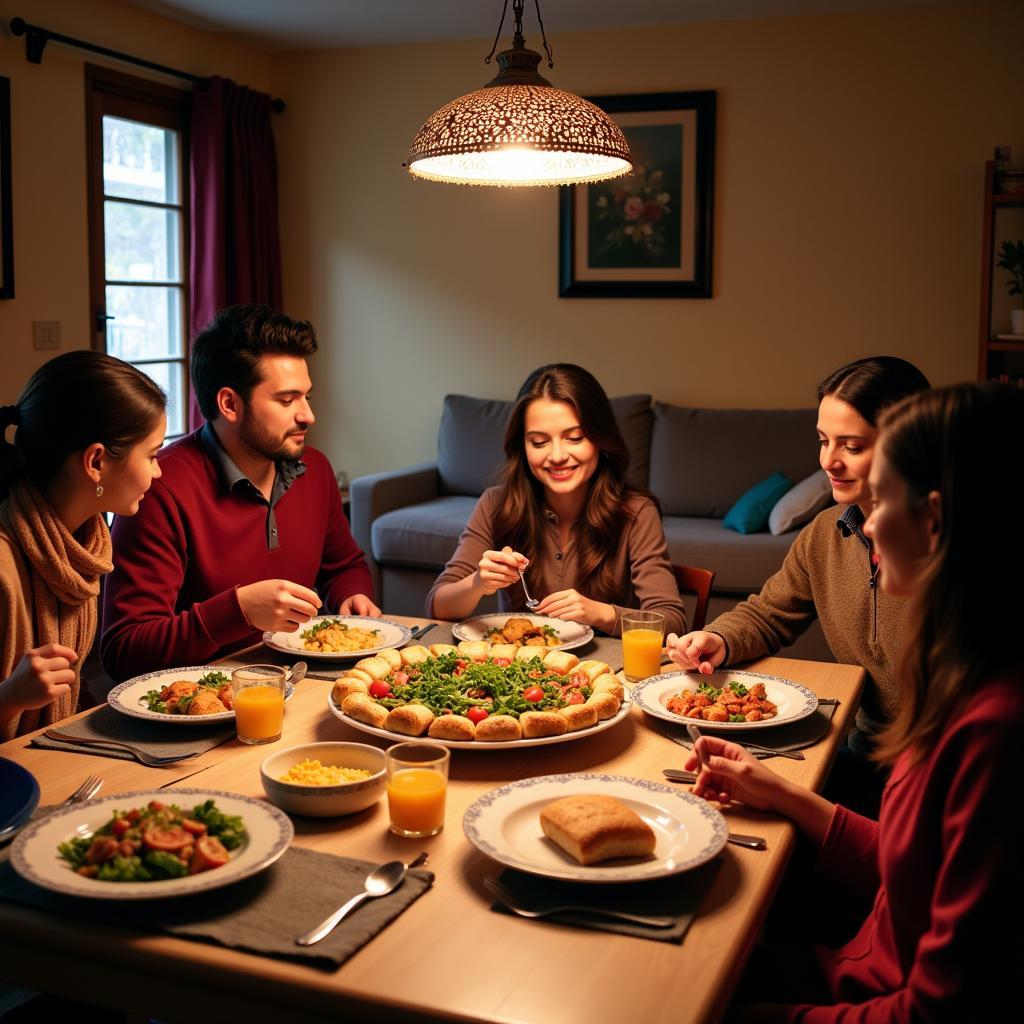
(193, 695)
(725, 701)
(479, 696)
(151, 844)
(588, 827)
(524, 630)
(339, 636)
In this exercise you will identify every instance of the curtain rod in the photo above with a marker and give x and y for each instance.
(36, 39)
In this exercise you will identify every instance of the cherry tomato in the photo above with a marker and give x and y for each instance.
(536, 673)
(170, 839)
(155, 805)
(120, 826)
(504, 662)
(477, 714)
(533, 694)
(133, 815)
(460, 667)
(573, 696)
(209, 853)
(379, 688)
(193, 827)
(579, 679)
(400, 678)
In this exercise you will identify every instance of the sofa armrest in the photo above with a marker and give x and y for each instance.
(371, 496)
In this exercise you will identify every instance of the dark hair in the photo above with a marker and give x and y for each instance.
(69, 403)
(872, 384)
(227, 351)
(963, 620)
(519, 519)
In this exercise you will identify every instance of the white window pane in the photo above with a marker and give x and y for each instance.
(146, 322)
(170, 377)
(140, 161)
(142, 242)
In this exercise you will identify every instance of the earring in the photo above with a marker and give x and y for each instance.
(99, 490)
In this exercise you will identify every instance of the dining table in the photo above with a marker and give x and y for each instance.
(449, 956)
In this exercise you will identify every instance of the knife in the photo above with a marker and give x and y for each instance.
(420, 630)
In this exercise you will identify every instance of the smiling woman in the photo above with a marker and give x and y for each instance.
(596, 547)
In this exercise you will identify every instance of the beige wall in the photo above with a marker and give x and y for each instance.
(847, 219)
(48, 146)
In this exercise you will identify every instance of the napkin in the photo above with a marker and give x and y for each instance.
(678, 896)
(161, 739)
(260, 915)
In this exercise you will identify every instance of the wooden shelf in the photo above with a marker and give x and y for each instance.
(1006, 346)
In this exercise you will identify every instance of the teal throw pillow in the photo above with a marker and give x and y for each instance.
(750, 513)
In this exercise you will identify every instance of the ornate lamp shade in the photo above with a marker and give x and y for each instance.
(519, 130)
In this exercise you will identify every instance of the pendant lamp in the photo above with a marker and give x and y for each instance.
(519, 129)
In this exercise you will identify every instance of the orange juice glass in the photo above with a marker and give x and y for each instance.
(259, 702)
(417, 775)
(642, 641)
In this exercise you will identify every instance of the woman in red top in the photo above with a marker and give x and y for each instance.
(943, 859)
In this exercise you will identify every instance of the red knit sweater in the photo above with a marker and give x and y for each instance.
(177, 563)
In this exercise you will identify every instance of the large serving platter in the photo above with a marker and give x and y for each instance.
(34, 853)
(125, 697)
(19, 795)
(540, 741)
(505, 825)
(793, 700)
(570, 634)
(391, 634)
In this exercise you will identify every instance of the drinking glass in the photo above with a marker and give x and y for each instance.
(417, 775)
(259, 702)
(643, 636)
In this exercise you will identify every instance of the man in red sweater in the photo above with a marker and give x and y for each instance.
(246, 520)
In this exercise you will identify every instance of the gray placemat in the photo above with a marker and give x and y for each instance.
(679, 897)
(161, 739)
(259, 915)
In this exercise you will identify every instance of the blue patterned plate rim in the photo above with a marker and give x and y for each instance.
(271, 639)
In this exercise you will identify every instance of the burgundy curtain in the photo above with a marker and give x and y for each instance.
(236, 253)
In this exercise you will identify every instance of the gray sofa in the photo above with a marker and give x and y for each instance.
(696, 461)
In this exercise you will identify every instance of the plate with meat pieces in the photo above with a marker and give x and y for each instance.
(725, 701)
(524, 630)
(194, 695)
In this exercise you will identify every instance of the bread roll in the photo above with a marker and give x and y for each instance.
(562, 662)
(542, 723)
(578, 716)
(438, 649)
(451, 727)
(365, 709)
(529, 653)
(410, 719)
(346, 685)
(597, 828)
(498, 728)
(358, 673)
(414, 655)
(392, 656)
(606, 704)
(502, 651)
(593, 668)
(475, 650)
(608, 684)
(377, 668)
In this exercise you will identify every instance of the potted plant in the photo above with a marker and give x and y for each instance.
(1011, 259)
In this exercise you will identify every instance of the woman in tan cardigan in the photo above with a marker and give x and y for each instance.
(87, 430)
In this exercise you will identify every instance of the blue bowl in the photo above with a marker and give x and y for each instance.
(19, 796)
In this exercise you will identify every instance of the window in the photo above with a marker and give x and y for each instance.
(138, 228)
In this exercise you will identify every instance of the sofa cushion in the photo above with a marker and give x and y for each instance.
(742, 562)
(421, 535)
(470, 449)
(751, 511)
(800, 505)
(702, 460)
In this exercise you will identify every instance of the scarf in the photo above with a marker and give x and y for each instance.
(64, 571)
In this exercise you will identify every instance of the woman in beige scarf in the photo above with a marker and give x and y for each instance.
(87, 431)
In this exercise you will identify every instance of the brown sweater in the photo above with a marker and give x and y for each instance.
(640, 563)
(826, 575)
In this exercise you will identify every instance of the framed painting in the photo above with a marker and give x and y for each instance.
(6, 226)
(647, 235)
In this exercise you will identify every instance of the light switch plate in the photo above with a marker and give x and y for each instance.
(45, 334)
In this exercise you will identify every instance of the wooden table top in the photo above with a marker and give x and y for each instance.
(448, 957)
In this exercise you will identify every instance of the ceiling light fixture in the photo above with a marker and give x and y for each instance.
(519, 129)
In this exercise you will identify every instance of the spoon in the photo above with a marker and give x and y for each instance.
(297, 673)
(531, 602)
(379, 882)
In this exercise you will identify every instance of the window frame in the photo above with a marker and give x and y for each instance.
(116, 94)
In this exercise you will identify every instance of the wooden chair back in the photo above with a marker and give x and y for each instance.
(691, 580)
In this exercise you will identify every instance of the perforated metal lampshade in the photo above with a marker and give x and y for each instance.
(519, 130)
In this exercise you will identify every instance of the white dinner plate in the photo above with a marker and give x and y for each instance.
(570, 634)
(391, 634)
(505, 825)
(127, 697)
(34, 853)
(793, 700)
(540, 741)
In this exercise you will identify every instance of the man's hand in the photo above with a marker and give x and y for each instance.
(277, 605)
(359, 604)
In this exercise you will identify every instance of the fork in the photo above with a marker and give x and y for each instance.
(531, 602)
(86, 791)
(140, 755)
(514, 904)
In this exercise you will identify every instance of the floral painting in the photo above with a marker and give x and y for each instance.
(648, 233)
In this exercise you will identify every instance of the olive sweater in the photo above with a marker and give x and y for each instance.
(826, 575)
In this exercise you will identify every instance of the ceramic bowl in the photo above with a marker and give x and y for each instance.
(325, 801)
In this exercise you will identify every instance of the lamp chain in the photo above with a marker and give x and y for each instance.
(517, 40)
